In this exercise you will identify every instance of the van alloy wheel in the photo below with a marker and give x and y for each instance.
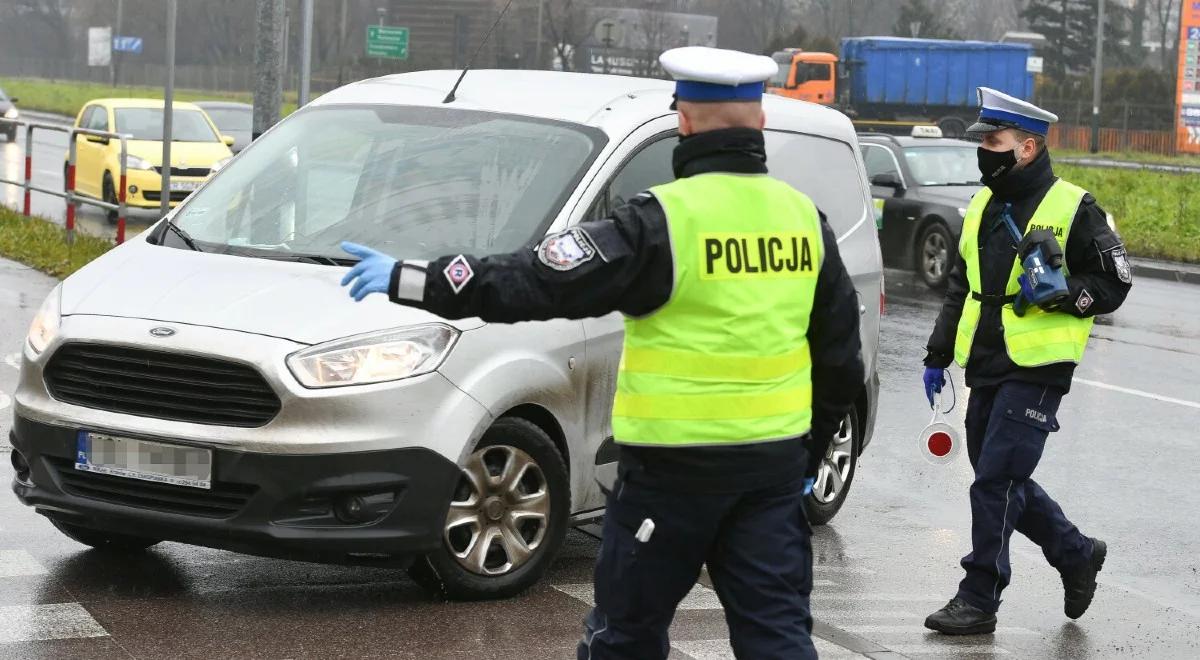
(500, 511)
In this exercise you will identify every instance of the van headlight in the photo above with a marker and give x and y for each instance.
(45, 324)
(374, 358)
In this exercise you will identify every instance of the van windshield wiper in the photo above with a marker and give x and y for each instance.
(183, 236)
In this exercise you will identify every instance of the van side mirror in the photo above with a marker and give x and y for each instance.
(13, 99)
(228, 140)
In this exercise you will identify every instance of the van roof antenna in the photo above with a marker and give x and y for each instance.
(450, 97)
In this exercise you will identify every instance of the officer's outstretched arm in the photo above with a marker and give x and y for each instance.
(620, 263)
(1100, 273)
(836, 348)
(941, 342)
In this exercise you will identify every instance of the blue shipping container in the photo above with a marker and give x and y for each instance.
(933, 72)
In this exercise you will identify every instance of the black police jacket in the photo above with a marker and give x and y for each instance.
(624, 263)
(1099, 279)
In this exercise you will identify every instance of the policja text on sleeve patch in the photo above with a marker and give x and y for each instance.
(1121, 261)
(458, 272)
(567, 250)
(756, 256)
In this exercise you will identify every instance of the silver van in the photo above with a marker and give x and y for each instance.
(210, 383)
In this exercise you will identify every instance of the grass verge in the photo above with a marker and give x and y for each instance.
(42, 244)
(67, 97)
(1131, 157)
(1157, 213)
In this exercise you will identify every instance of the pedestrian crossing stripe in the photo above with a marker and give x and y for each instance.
(19, 563)
(699, 598)
(31, 623)
(719, 649)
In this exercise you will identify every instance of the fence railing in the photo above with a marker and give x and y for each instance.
(1068, 136)
(68, 193)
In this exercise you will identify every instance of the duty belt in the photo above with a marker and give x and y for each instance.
(998, 301)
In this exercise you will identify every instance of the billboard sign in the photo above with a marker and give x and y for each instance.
(1188, 98)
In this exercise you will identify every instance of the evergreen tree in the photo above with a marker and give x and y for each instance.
(1070, 30)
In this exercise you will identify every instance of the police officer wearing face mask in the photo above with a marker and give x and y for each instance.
(1019, 367)
(732, 381)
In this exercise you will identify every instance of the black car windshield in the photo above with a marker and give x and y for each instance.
(943, 165)
(232, 119)
(414, 182)
(147, 124)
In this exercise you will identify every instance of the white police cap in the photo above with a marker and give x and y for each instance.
(999, 111)
(713, 74)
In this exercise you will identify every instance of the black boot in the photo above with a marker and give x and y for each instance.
(1079, 583)
(960, 618)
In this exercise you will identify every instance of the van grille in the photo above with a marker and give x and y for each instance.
(162, 385)
(222, 501)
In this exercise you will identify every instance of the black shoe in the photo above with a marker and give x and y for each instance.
(960, 618)
(1079, 584)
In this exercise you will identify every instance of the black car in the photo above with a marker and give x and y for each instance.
(8, 110)
(233, 119)
(923, 185)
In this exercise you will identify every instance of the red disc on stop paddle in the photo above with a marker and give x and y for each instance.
(940, 444)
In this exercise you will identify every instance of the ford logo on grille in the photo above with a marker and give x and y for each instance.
(162, 332)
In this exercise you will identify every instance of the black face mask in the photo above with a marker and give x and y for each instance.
(994, 165)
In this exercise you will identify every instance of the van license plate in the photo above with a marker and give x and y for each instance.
(142, 459)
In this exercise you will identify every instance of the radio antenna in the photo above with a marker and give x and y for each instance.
(471, 62)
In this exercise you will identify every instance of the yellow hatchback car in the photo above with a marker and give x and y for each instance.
(197, 150)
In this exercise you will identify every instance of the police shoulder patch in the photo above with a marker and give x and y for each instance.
(567, 250)
(1121, 263)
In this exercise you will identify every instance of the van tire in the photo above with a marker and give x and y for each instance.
(445, 575)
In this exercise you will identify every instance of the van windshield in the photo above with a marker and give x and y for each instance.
(414, 182)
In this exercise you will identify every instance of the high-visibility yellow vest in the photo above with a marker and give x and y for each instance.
(726, 361)
(1038, 338)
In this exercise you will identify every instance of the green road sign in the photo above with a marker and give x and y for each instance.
(387, 41)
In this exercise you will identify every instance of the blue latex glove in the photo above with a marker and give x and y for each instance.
(373, 271)
(934, 380)
(808, 485)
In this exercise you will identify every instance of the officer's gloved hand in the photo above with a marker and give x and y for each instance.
(934, 380)
(808, 485)
(373, 271)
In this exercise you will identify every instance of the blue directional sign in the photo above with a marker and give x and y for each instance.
(127, 44)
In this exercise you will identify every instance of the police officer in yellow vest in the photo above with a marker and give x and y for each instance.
(1020, 367)
(733, 379)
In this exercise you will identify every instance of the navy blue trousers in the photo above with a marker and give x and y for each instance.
(1007, 427)
(756, 544)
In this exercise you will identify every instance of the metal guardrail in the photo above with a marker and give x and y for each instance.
(69, 194)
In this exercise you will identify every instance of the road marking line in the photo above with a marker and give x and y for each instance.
(699, 598)
(921, 630)
(5, 400)
(13, 360)
(883, 598)
(28, 623)
(17, 563)
(851, 614)
(946, 649)
(854, 570)
(816, 583)
(719, 649)
(1148, 395)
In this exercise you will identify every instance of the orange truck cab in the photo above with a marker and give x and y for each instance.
(804, 75)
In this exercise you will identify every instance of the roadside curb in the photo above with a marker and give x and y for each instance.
(1166, 270)
(47, 117)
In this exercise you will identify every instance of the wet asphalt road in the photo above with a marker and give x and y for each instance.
(1123, 467)
(49, 154)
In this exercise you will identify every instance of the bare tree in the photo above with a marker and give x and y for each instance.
(1164, 13)
(37, 22)
(767, 20)
(566, 20)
